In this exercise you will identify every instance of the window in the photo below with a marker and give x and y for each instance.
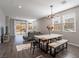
(29, 26)
(69, 23)
(66, 23)
(57, 24)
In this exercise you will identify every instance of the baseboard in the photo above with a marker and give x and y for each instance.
(77, 45)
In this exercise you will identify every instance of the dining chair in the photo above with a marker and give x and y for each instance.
(34, 45)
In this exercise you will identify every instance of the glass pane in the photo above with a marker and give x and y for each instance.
(57, 23)
(69, 23)
(20, 28)
(29, 26)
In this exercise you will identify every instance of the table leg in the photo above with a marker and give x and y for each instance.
(47, 46)
(39, 43)
(66, 45)
(50, 51)
(54, 52)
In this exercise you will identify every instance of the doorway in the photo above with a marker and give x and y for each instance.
(20, 30)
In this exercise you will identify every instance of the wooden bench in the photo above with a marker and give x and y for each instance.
(60, 44)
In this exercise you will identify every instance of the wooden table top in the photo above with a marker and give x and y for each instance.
(47, 36)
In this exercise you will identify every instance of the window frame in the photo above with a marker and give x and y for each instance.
(62, 19)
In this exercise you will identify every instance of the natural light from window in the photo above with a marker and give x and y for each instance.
(65, 23)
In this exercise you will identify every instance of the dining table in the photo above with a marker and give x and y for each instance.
(47, 38)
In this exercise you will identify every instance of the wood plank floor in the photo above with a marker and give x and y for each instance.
(13, 50)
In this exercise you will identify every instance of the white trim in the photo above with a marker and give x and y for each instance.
(77, 45)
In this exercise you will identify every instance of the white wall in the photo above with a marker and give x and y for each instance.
(73, 37)
(2, 20)
(35, 25)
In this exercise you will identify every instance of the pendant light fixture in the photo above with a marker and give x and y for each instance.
(51, 16)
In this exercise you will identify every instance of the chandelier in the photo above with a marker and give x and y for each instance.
(50, 27)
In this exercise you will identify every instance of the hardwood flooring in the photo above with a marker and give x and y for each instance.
(22, 50)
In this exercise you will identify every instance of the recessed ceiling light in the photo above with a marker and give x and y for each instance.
(19, 6)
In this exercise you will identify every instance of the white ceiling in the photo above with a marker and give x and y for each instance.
(34, 8)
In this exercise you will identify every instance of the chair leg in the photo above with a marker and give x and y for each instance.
(63, 46)
(47, 48)
(33, 49)
(50, 51)
(54, 55)
(39, 43)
